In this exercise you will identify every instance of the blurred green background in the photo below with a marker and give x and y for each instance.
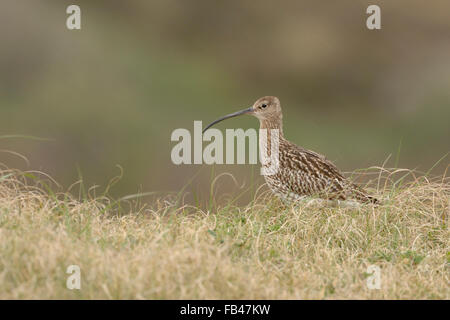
(112, 92)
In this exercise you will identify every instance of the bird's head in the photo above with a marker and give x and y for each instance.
(266, 109)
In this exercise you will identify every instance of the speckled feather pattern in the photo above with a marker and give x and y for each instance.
(304, 173)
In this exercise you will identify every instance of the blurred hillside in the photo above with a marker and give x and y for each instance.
(112, 92)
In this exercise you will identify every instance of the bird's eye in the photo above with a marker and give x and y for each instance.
(263, 105)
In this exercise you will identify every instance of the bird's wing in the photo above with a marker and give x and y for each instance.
(315, 162)
(312, 173)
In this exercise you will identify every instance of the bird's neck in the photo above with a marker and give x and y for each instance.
(272, 124)
(271, 138)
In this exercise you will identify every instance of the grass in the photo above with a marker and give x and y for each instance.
(168, 250)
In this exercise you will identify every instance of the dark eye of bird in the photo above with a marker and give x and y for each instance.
(263, 105)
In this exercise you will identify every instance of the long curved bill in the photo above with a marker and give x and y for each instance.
(231, 115)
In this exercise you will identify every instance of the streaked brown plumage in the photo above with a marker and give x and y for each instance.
(301, 172)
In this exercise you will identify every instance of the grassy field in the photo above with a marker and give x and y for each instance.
(167, 250)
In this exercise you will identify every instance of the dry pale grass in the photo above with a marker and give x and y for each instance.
(262, 251)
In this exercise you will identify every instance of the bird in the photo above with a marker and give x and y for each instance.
(301, 173)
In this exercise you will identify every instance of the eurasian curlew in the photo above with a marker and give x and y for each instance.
(301, 173)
